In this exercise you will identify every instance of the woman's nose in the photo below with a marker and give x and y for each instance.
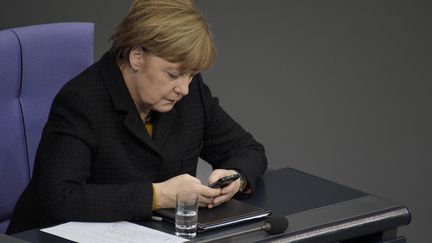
(183, 86)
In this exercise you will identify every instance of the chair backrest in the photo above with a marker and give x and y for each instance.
(35, 62)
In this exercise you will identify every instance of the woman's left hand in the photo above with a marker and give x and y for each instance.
(227, 192)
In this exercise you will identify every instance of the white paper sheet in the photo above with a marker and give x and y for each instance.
(110, 232)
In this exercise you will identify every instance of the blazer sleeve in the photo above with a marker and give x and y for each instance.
(226, 144)
(64, 167)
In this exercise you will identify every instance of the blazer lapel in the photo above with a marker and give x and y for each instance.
(162, 126)
(134, 123)
(122, 100)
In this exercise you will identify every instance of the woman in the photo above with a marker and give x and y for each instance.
(124, 136)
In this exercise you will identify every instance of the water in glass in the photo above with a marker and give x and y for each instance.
(186, 223)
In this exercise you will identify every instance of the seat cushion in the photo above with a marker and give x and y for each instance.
(35, 62)
(52, 54)
(14, 170)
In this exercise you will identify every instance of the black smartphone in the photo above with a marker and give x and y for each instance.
(224, 181)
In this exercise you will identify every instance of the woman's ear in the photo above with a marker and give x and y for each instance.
(136, 58)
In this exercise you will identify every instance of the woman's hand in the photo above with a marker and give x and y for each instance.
(166, 191)
(227, 192)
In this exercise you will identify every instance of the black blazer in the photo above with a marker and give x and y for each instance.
(96, 162)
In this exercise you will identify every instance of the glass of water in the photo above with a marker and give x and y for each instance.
(186, 214)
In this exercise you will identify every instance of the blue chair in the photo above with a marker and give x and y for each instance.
(35, 62)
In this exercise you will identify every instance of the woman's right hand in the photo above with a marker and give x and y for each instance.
(166, 191)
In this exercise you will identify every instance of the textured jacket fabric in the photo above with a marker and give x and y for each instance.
(96, 162)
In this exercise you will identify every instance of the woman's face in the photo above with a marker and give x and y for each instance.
(157, 84)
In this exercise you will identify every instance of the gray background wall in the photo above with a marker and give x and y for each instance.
(339, 89)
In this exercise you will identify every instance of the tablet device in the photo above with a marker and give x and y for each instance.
(226, 214)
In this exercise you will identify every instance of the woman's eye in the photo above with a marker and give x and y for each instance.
(173, 76)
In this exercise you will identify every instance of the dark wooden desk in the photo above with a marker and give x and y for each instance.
(318, 210)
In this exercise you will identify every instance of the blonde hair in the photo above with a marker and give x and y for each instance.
(170, 29)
